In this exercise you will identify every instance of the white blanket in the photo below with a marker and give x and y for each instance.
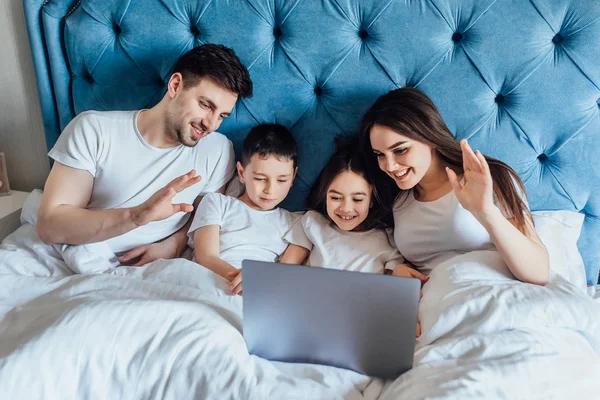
(148, 334)
(489, 336)
(24, 253)
(169, 330)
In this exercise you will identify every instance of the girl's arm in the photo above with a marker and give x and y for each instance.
(294, 254)
(524, 254)
(207, 250)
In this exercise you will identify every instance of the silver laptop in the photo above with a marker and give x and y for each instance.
(358, 321)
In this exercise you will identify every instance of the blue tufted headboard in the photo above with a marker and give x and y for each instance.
(519, 78)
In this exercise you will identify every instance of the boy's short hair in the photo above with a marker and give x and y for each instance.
(269, 139)
(217, 62)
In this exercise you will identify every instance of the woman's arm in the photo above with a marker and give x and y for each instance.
(207, 250)
(524, 254)
(294, 254)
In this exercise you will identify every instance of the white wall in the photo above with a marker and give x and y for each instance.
(21, 128)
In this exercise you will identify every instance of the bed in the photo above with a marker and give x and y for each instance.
(519, 79)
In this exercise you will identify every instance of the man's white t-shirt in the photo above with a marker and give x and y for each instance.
(331, 247)
(245, 233)
(127, 170)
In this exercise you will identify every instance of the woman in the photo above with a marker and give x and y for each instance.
(447, 199)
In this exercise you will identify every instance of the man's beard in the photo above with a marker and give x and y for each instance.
(193, 142)
(178, 134)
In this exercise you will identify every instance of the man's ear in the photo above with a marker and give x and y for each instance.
(240, 171)
(294, 176)
(175, 85)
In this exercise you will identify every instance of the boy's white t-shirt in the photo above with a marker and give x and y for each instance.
(331, 247)
(127, 170)
(245, 233)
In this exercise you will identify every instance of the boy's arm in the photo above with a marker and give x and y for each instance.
(207, 250)
(294, 254)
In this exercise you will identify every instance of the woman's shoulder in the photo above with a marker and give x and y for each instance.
(403, 202)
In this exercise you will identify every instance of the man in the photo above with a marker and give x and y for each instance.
(124, 176)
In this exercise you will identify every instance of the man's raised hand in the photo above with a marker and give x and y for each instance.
(160, 206)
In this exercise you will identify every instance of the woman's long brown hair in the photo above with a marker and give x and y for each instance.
(411, 113)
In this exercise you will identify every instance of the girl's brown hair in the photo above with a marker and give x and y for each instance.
(411, 113)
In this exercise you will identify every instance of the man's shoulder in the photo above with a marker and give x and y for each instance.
(99, 120)
(209, 143)
(106, 116)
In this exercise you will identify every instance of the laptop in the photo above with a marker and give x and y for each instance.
(354, 320)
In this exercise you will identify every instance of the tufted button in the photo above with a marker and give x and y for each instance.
(195, 31)
(457, 37)
(318, 91)
(117, 29)
(87, 77)
(363, 34)
(557, 38)
(499, 99)
(543, 158)
(277, 32)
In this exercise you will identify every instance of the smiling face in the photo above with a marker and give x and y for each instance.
(268, 181)
(196, 111)
(405, 160)
(348, 200)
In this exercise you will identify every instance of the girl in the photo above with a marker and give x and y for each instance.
(446, 199)
(342, 229)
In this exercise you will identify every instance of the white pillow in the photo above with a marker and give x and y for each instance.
(560, 231)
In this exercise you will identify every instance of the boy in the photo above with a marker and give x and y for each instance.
(227, 230)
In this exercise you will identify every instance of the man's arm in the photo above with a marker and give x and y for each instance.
(64, 219)
(171, 247)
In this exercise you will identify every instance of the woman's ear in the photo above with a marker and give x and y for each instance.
(240, 171)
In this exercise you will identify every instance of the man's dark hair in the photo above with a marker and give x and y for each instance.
(219, 63)
(270, 139)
